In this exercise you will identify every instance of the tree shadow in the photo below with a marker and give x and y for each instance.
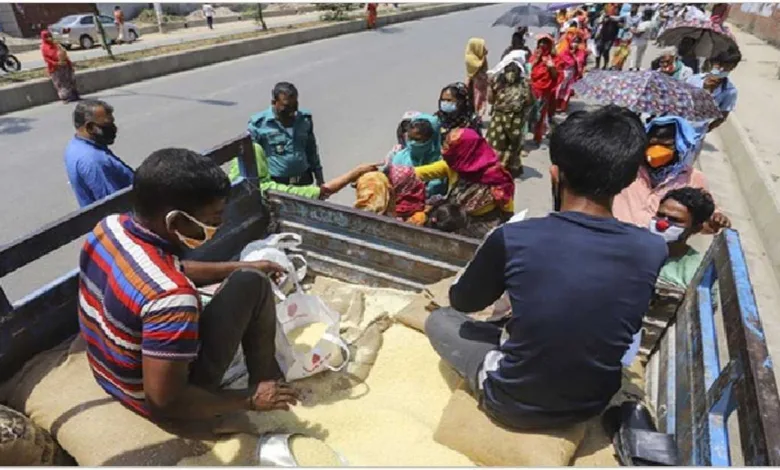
(15, 125)
(118, 94)
(529, 173)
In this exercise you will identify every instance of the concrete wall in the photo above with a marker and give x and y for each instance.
(40, 91)
(759, 19)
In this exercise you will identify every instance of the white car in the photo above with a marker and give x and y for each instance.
(80, 30)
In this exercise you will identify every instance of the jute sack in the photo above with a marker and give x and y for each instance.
(22, 443)
(466, 429)
(596, 449)
(59, 393)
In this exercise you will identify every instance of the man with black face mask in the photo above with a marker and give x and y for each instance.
(286, 135)
(578, 280)
(94, 172)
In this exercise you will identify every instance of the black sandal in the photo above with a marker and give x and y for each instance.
(635, 437)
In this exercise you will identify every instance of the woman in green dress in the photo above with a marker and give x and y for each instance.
(511, 100)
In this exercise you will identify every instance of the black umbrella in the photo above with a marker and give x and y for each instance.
(529, 16)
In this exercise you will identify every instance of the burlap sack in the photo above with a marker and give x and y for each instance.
(466, 429)
(57, 390)
(22, 443)
(596, 449)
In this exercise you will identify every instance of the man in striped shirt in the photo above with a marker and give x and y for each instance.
(151, 344)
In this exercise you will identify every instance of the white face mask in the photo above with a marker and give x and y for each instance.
(191, 243)
(669, 231)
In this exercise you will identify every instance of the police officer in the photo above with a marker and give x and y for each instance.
(286, 134)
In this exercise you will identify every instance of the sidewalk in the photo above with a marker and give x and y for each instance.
(751, 137)
(758, 105)
(32, 59)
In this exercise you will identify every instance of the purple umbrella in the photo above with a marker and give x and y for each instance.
(648, 92)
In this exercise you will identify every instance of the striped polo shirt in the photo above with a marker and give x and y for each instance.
(134, 301)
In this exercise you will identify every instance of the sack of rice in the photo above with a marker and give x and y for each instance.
(488, 444)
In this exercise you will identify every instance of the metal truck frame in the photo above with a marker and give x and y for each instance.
(691, 391)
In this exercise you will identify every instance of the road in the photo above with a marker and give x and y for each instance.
(32, 59)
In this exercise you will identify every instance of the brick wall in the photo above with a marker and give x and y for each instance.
(759, 19)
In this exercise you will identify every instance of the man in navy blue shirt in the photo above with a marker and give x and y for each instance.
(94, 172)
(579, 282)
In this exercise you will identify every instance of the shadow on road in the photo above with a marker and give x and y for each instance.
(390, 30)
(529, 173)
(170, 97)
(14, 125)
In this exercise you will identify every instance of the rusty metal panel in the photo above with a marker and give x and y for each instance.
(382, 230)
(32, 18)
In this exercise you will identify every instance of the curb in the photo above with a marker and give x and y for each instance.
(756, 187)
(167, 28)
(40, 91)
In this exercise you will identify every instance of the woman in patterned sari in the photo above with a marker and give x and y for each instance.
(478, 183)
(59, 68)
(511, 100)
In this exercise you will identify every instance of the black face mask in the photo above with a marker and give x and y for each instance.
(556, 195)
(105, 134)
(286, 113)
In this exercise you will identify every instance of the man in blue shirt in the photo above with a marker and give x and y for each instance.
(578, 280)
(94, 172)
(716, 81)
(286, 135)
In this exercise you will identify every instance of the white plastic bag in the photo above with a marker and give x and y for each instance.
(297, 311)
(273, 249)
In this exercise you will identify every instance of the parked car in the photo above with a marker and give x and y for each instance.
(80, 30)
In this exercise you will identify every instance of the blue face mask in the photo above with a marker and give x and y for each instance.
(419, 150)
(718, 73)
(448, 107)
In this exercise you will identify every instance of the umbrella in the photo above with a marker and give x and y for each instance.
(710, 38)
(526, 15)
(648, 92)
(559, 6)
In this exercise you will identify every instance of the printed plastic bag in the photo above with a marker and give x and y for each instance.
(300, 314)
(273, 249)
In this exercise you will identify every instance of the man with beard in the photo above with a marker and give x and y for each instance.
(94, 172)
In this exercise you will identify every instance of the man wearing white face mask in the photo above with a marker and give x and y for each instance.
(151, 344)
(681, 214)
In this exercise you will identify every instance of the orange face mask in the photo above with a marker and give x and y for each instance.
(658, 156)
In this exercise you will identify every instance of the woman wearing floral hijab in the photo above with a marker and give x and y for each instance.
(510, 95)
(456, 110)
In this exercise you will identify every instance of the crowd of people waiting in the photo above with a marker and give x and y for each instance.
(626, 199)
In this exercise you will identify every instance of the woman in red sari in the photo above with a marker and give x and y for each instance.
(372, 14)
(59, 68)
(544, 81)
(568, 71)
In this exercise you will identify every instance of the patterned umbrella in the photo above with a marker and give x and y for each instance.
(529, 16)
(648, 92)
(710, 38)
